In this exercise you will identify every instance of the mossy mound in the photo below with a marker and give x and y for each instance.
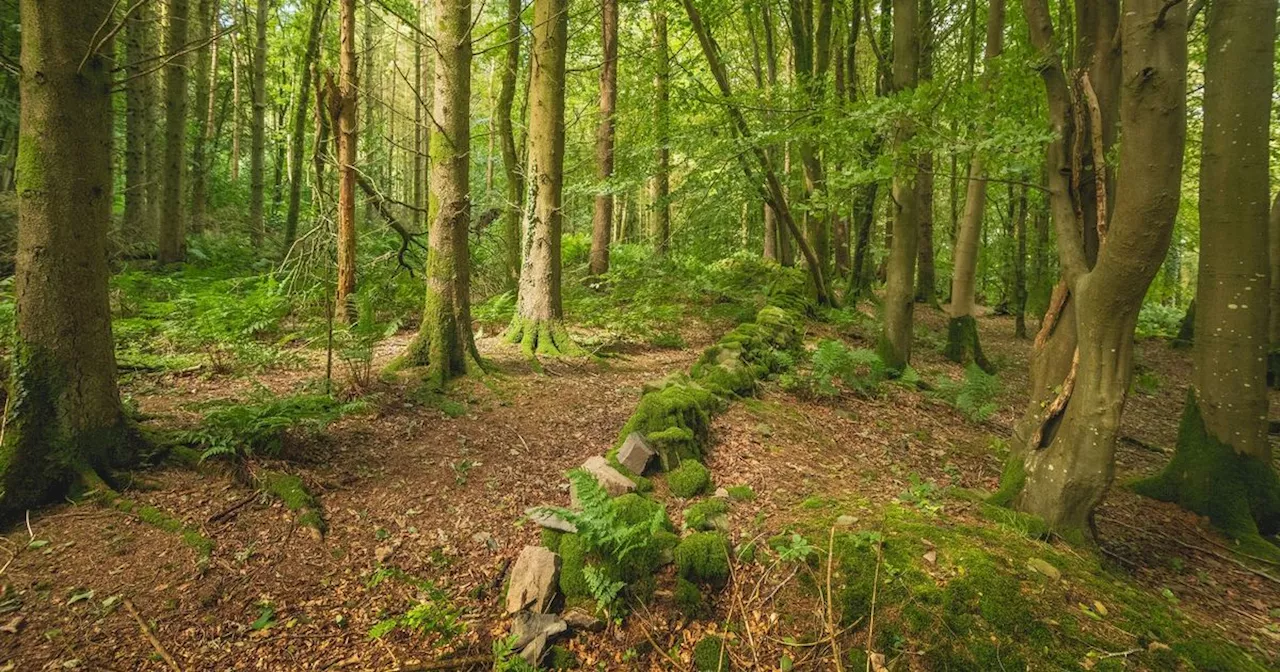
(676, 420)
(690, 479)
(706, 515)
(711, 655)
(703, 557)
(636, 567)
(970, 597)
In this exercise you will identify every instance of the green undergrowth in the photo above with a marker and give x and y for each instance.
(990, 596)
(157, 518)
(237, 431)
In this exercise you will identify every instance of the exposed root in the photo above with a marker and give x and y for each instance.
(94, 487)
(291, 491)
(542, 338)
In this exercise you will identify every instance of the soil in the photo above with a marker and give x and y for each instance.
(441, 498)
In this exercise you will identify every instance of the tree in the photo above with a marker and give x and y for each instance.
(926, 274)
(538, 325)
(1222, 466)
(258, 128)
(172, 222)
(963, 344)
(65, 419)
(347, 130)
(899, 290)
(602, 220)
(1062, 467)
(298, 134)
(206, 63)
(138, 222)
(662, 117)
(811, 55)
(444, 343)
(507, 137)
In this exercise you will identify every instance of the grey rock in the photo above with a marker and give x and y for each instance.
(533, 580)
(721, 493)
(635, 453)
(551, 521)
(580, 621)
(528, 627)
(609, 478)
(846, 521)
(533, 652)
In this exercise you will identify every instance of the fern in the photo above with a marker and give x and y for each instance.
(602, 588)
(975, 396)
(599, 524)
(240, 431)
(835, 367)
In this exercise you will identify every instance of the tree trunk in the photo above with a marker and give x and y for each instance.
(510, 155)
(963, 344)
(603, 215)
(444, 343)
(347, 136)
(205, 13)
(1065, 467)
(137, 214)
(235, 108)
(662, 103)
(538, 325)
(1222, 467)
(811, 49)
(65, 418)
(926, 274)
(172, 224)
(1020, 267)
(258, 129)
(1273, 353)
(899, 291)
(298, 134)
(420, 131)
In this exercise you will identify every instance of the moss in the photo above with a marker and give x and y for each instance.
(676, 420)
(1239, 493)
(963, 344)
(1209, 656)
(690, 479)
(703, 515)
(551, 539)
(703, 557)
(742, 493)
(1012, 480)
(203, 546)
(633, 509)
(560, 658)
(688, 597)
(573, 559)
(542, 338)
(291, 491)
(711, 655)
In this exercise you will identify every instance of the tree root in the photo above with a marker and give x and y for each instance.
(545, 338)
(97, 489)
(291, 492)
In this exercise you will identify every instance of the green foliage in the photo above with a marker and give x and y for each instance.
(703, 557)
(975, 396)
(741, 493)
(835, 367)
(506, 658)
(1159, 320)
(795, 548)
(706, 514)
(435, 617)
(240, 431)
(603, 589)
(710, 655)
(690, 479)
(354, 344)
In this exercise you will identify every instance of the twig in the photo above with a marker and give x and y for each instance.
(225, 513)
(831, 617)
(746, 617)
(146, 632)
(1168, 5)
(30, 535)
(875, 584)
(450, 664)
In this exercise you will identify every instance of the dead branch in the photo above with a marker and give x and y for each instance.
(1099, 152)
(1059, 403)
(146, 632)
(1057, 303)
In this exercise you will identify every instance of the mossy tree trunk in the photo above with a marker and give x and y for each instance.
(298, 134)
(602, 217)
(810, 52)
(172, 219)
(1222, 467)
(538, 324)
(137, 215)
(347, 135)
(204, 25)
(1020, 267)
(1067, 463)
(64, 414)
(507, 139)
(963, 344)
(444, 343)
(258, 127)
(662, 110)
(899, 291)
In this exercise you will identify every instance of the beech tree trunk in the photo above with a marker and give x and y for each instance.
(1222, 467)
(205, 13)
(506, 135)
(1063, 469)
(298, 134)
(926, 273)
(258, 128)
(538, 325)
(1020, 267)
(963, 344)
(603, 215)
(662, 110)
(444, 343)
(347, 132)
(172, 224)
(65, 418)
(899, 290)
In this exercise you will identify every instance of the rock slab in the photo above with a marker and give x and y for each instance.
(533, 580)
(609, 478)
(532, 633)
(635, 453)
(549, 520)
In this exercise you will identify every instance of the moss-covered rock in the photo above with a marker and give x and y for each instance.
(709, 514)
(573, 560)
(676, 420)
(690, 479)
(711, 655)
(560, 658)
(703, 557)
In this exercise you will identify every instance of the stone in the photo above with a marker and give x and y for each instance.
(1043, 567)
(580, 621)
(721, 493)
(549, 520)
(846, 521)
(533, 652)
(533, 580)
(527, 626)
(485, 539)
(609, 478)
(635, 453)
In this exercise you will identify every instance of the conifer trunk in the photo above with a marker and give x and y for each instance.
(205, 12)
(514, 206)
(172, 221)
(603, 213)
(258, 128)
(538, 325)
(137, 220)
(298, 134)
(64, 416)
(347, 130)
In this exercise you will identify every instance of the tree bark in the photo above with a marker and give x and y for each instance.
(444, 343)
(1222, 467)
(1020, 267)
(258, 128)
(811, 51)
(603, 214)
(298, 134)
(538, 325)
(172, 221)
(662, 104)
(137, 214)
(347, 131)
(65, 419)
(963, 343)
(926, 273)
(506, 135)
(1065, 467)
(899, 292)
(205, 11)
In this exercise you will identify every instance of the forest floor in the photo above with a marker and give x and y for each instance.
(437, 487)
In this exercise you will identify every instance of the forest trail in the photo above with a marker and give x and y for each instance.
(435, 489)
